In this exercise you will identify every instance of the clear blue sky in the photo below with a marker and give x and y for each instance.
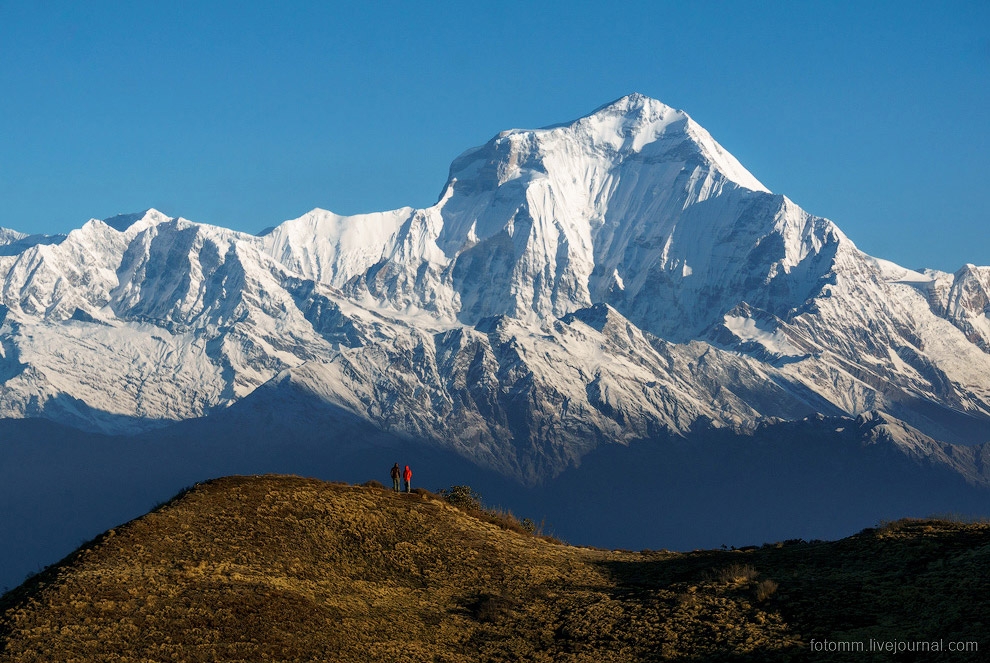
(874, 114)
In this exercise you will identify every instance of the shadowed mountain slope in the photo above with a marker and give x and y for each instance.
(285, 568)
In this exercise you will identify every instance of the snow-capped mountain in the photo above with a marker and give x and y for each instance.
(630, 203)
(963, 298)
(8, 236)
(617, 278)
(612, 314)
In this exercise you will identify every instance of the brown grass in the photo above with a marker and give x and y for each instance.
(466, 500)
(765, 589)
(290, 569)
(735, 574)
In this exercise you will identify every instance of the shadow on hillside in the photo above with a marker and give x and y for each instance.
(699, 600)
(908, 581)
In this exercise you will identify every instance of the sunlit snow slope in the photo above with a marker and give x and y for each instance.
(619, 277)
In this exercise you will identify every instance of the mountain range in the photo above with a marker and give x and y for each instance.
(620, 282)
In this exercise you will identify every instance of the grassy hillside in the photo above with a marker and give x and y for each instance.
(291, 569)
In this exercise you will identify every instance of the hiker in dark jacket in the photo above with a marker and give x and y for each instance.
(407, 475)
(396, 473)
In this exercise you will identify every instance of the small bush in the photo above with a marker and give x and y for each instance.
(735, 574)
(463, 497)
(373, 484)
(765, 589)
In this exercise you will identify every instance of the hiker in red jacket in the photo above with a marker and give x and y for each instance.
(407, 475)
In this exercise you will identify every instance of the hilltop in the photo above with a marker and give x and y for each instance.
(287, 568)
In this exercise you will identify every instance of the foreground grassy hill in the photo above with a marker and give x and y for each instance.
(291, 569)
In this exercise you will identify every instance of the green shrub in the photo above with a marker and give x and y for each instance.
(463, 497)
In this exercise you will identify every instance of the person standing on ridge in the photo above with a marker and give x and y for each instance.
(396, 473)
(407, 475)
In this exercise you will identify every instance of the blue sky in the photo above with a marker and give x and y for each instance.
(874, 114)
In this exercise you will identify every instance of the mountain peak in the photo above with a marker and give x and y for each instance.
(638, 123)
(8, 236)
(636, 104)
(631, 123)
(150, 217)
